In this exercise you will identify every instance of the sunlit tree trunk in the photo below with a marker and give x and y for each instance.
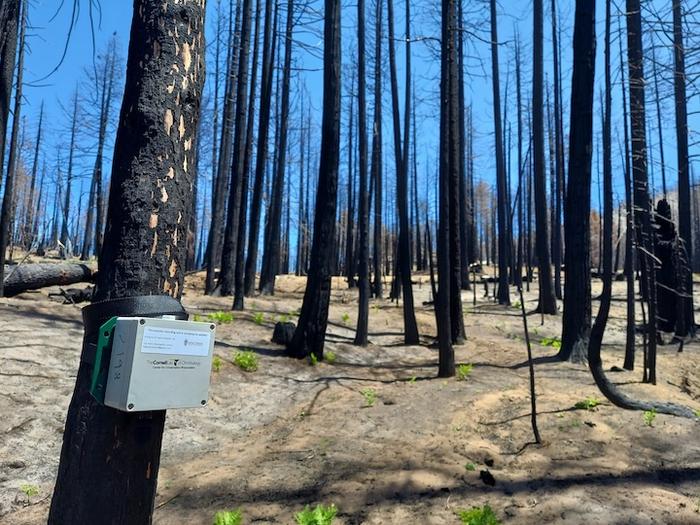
(310, 333)
(143, 254)
(576, 321)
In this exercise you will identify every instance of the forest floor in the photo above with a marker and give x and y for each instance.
(291, 434)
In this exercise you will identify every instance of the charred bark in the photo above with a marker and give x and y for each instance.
(143, 254)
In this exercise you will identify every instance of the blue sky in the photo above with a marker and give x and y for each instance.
(48, 37)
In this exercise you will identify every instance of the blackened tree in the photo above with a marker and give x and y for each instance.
(363, 246)
(310, 333)
(547, 300)
(501, 188)
(577, 232)
(143, 254)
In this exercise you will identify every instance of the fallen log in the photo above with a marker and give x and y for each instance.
(34, 276)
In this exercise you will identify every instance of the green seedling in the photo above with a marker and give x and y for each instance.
(228, 517)
(197, 318)
(284, 318)
(345, 318)
(370, 396)
(329, 357)
(413, 380)
(29, 490)
(478, 516)
(321, 515)
(246, 361)
(221, 317)
(471, 467)
(313, 360)
(649, 417)
(259, 318)
(217, 363)
(697, 413)
(554, 342)
(517, 305)
(463, 371)
(587, 404)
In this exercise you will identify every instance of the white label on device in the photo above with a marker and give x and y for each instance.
(174, 341)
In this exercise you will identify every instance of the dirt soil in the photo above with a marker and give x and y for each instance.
(291, 434)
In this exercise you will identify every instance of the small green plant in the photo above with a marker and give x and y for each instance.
(471, 467)
(370, 396)
(320, 515)
(345, 318)
(413, 380)
(463, 371)
(649, 417)
(216, 363)
(329, 357)
(313, 360)
(697, 413)
(284, 318)
(221, 317)
(246, 361)
(228, 517)
(517, 305)
(587, 404)
(554, 342)
(479, 516)
(197, 318)
(259, 318)
(29, 490)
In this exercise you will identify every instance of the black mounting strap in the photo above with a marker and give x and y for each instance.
(96, 314)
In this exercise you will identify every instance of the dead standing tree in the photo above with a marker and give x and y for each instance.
(363, 247)
(9, 26)
(577, 232)
(404, 251)
(547, 300)
(501, 188)
(642, 202)
(8, 197)
(144, 254)
(681, 108)
(310, 333)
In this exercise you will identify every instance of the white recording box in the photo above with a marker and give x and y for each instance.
(158, 364)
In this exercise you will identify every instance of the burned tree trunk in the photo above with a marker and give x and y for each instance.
(271, 256)
(143, 254)
(9, 26)
(30, 212)
(443, 310)
(503, 292)
(547, 300)
(595, 362)
(559, 155)
(228, 254)
(66, 247)
(220, 184)
(642, 203)
(309, 336)
(684, 212)
(8, 197)
(239, 290)
(577, 232)
(376, 167)
(261, 156)
(404, 251)
(629, 223)
(25, 277)
(363, 247)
